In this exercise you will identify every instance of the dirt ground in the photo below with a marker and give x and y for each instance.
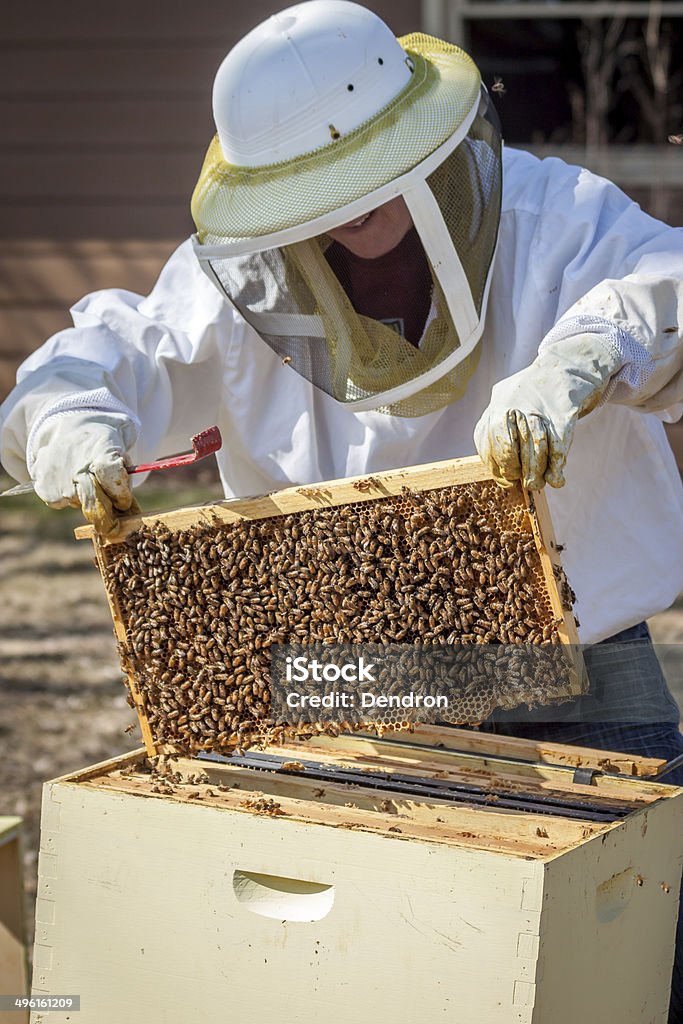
(62, 703)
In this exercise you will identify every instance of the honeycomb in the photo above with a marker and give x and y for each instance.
(446, 584)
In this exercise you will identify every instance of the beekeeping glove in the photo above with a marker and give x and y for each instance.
(526, 431)
(79, 458)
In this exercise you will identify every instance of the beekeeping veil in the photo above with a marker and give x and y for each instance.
(322, 116)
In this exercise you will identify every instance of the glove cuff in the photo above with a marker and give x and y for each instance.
(97, 401)
(630, 366)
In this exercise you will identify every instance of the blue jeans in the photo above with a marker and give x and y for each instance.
(631, 710)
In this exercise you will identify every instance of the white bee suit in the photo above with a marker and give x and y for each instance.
(571, 246)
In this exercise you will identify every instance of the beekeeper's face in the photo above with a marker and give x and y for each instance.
(377, 232)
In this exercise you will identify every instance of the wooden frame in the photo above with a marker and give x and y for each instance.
(336, 493)
(469, 742)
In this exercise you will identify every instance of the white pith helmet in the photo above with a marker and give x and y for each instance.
(329, 80)
(296, 143)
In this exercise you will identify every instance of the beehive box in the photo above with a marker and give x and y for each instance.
(418, 559)
(274, 896)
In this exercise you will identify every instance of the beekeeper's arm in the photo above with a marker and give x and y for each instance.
(134, 377)
(619, 341)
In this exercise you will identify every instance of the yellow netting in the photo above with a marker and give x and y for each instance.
(365, 355)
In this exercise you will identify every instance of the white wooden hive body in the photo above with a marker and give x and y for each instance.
(349, 903)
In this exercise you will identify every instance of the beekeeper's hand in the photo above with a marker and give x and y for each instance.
(80, 459)
(526, 432)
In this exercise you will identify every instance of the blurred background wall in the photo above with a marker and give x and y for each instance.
(105, 115)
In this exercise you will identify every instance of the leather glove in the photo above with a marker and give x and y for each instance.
(80, 459)
(527, 430)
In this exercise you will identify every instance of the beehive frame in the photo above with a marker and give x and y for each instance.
(530, 511)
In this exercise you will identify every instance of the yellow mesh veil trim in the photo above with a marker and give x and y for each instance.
(364, 354)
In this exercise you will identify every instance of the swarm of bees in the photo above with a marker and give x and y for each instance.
(203, 607)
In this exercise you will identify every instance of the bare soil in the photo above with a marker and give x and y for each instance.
(62, 702)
